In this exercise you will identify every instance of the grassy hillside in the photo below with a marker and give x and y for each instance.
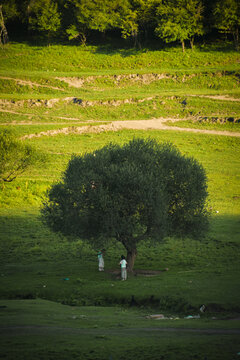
(48, 94)
(71, 85)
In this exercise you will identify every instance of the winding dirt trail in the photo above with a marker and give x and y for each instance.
(154, 124)
(159, 124)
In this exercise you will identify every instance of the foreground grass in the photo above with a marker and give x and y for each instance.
(64, 332)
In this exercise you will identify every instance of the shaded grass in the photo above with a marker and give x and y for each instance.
(104, 333)
(36, 262)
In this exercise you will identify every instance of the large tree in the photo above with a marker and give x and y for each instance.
(179, 20)
(141, 190)
(227, 18)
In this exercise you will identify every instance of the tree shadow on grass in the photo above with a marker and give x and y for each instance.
(226, 228)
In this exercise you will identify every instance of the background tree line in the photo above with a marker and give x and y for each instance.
(137, 20)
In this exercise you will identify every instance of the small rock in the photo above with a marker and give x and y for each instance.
(156, 317)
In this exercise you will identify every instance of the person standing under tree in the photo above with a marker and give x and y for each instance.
(101, 260)
(123, 264)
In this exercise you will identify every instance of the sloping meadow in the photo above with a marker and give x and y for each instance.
(47, 90)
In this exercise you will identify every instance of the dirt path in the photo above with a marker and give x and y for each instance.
(218, 97)
(159, 124)
(35, 329)
(154, 124)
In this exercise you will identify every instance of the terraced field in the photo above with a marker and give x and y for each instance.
(64, 100)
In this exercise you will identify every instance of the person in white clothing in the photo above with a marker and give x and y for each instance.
(123, 264)
(101, 260)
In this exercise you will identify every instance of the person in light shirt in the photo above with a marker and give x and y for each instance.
(101, 260)
(123, 264)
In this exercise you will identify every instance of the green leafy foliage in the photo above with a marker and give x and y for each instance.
(44, 17)
(9, 9)
(179, 20)
(100, 15)
(227, 18)
(171, 20)
(16, 157)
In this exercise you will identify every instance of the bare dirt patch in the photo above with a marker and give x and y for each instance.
(159, 124)
(218, 97)
(70, 99)
(137, 272)
(73, 130)
(78, 82)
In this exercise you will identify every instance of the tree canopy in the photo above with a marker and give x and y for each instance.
(169, 20)
(44, 17)
(227, 18)
(179, 20)
(141, 190)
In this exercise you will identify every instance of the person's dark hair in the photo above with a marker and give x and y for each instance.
(122, 257)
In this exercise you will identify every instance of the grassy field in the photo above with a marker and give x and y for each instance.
(54, 303)
(76, 84)
(108, 333)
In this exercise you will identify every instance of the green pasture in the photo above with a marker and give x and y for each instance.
(65, 332)
(54, 304)
(29, 246)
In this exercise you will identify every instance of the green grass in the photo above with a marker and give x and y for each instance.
(126, 79)
(60, 58)
(205, 261)
(65, 332)
(108, 320)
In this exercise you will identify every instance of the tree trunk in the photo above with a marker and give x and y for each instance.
(3, 30)
(183, 45)
(131, 256)
(83, 38)
(236, 39)
(191, 42)
(130, 246)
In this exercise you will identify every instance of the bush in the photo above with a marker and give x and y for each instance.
(16, 157)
